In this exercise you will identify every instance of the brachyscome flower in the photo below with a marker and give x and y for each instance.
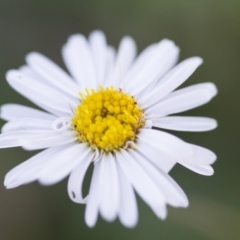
(109, 112)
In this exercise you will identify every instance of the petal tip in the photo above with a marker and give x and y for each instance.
(197, 60)
(10, 73)
(32, 55)
(96, 33)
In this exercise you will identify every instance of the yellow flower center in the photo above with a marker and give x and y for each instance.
(107, 119)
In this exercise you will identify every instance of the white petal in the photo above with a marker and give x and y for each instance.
(27, 124)
(202, 156)
(16, 138)
(142, 183)
(36, 139)
(162, 59)
(172, 192)
(167, 143)
(128, 212)
(159, 158)
(28, 171)
(207, 86)
(78, 58)
(144, 57)
(109, 185)
(57, 111)
(126, 53)
(190, 124)
(63, 163)
(26, 70)
(75, 180)
(91, 212)
(140, 65)
(49, 141)
(200, 169)
(40, 93)
(125, 56)
(16, 111)
(182, 100)
(52, 73)
(111, 57)
(171, 81)
(98, 46)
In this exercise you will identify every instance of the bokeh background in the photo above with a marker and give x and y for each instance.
(210, 29)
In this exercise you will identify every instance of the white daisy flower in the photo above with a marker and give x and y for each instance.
(109, 112)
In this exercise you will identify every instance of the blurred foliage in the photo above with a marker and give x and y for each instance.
(210, 29)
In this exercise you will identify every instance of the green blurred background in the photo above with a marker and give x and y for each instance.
(210, 29)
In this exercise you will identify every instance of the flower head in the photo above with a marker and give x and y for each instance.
(107, 119)
(110, 111)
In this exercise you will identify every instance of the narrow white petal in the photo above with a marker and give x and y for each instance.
(141, 61)
(57, 111)
(109, 185)
(55, 139)
(91, 212)
(52, 73)
(75, 180)
(125, 56)
(111, 57)
(190, 124)
(62, 164)
(27, 124)
(202, 156)
(36, 139)
(18, 137)
(126, 53)
(163, 58)
(28, 171)
(167, 143)
(128, 212)
(78, 58)
(142, 183)
(171, 81)
(98, 46)
(40, 93)
(200, 169)
(16, 111)
(182, 100)
(207, 86)
(159, 158)
(171, 190)
(26, 70)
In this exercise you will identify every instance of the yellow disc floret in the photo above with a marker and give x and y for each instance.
(107, 118)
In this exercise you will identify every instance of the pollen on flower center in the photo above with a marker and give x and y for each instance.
(107, 118)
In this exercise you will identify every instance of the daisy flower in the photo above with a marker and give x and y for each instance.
(110, 111)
